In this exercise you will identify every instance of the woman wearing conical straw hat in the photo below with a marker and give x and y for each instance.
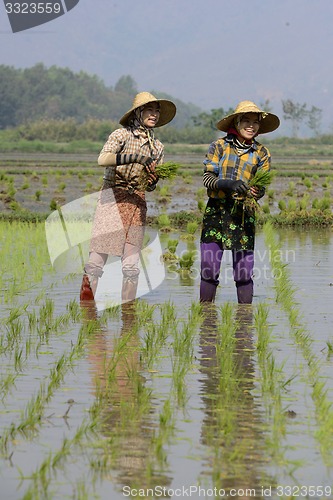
(231, 162)
(130, 154)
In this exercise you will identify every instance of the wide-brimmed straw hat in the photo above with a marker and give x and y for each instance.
(268, 121)
(167, 108)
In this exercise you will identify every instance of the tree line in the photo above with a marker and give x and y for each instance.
(55, 93)
(58, 104)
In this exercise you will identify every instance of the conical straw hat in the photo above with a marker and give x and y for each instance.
(167, 108)
(268, 122)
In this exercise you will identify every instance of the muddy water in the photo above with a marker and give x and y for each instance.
(237, 439)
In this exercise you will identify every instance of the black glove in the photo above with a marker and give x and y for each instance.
(239, 187)
(126, 158)
(145, 160)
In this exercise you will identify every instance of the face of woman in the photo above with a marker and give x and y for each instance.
(151, 114)
(248, 126)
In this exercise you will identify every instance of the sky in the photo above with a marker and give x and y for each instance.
(212, 53)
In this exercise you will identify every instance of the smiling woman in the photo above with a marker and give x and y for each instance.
(230, 165)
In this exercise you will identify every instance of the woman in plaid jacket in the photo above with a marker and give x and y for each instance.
(230, 163)
(129, 156)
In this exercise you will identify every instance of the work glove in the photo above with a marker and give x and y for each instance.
(126, 158)
(239, 187)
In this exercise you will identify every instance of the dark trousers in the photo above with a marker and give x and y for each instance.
(242, 261)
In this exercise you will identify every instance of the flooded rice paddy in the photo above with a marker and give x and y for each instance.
(166, 398)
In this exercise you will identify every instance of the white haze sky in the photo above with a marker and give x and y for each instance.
(212, 53)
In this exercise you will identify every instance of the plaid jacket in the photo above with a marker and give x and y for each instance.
(223, 162)
(127, 140)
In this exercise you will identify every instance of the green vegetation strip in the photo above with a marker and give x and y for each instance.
(285, 296)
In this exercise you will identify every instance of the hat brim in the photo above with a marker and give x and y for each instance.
(267, 124)
(167, 113)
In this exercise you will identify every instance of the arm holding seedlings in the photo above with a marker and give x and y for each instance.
(212, 173)
(112, 156)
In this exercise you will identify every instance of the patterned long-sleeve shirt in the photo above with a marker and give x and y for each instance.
(224, 161)
(131, 141)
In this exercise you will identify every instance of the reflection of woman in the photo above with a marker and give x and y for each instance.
(115, 368)
(231, 427)
(231, 162)
(130, 156)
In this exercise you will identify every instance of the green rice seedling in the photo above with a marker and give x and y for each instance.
(163, 221)
(168, 318)
(44, 180)
(324, 204)
(74, 310)
(201, 205)
(164, 193)
(307, 183)
(270, 194)
(14, 206)
(167, 170)
(315, 203)
(144, 312)
(38, 194)
(172, 245)
(266, 209)
(191, 227)
(53, 204)
(25, 185)
(156, 334)
(282, 205)
(18, 360)
(329, 347)
(179, 371)
(201, 193)
(165, 417)
(11, 191)
(262, 178)
(186, 260)
(264, 332)
(292, 205)
(291, 189)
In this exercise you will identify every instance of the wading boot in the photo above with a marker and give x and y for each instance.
(88, 288)
(129, 288)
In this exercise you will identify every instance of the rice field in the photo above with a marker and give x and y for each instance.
(166, 397)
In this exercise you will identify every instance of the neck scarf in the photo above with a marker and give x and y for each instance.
(137, 123)
(240, 144)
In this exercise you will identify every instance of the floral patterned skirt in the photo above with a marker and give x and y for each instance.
(120, 218)
(227, 223)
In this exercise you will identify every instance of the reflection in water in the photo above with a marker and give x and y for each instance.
(125, 418)
(232, 427)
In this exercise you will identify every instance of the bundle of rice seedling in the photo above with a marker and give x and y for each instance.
(261, 179)
(166, 170)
